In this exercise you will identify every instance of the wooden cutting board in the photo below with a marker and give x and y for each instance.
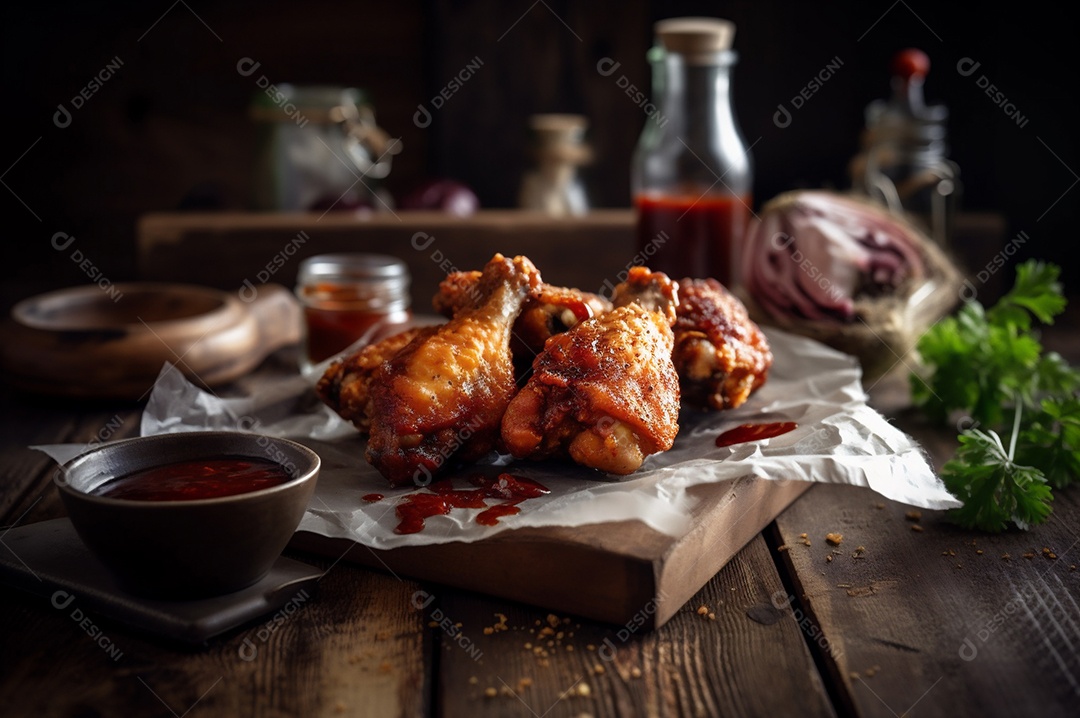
(623, 573)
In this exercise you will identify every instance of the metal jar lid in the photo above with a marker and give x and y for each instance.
(379, 279)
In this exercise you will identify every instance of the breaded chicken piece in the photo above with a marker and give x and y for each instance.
(345, 386)
(441, 399)
(605, 393)
(721, 354)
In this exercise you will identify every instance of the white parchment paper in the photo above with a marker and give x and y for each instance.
(839, 439)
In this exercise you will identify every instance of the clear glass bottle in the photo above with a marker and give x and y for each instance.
(903, 163)
(348, 297)
(692, 174)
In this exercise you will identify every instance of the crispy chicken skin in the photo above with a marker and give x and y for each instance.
(550, 311)
(720, 353)
(654, 291)
(442, 397)
(345, 386)
(605, 393)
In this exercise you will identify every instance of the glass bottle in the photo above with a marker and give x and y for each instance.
(903, 163)
(692, 175)
(348, 297)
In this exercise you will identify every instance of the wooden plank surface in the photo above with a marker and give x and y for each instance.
(941, 621)
(736, 659)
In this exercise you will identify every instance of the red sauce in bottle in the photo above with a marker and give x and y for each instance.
(441, 498)
(201, 479)
(754, 432)
(692, 236)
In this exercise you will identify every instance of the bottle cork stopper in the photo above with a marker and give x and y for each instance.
(556, 122)
(695, 37)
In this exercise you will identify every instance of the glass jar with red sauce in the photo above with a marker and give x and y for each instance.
(692, 172)
(348, 297)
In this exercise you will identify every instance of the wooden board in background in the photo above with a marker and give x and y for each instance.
(226, 249)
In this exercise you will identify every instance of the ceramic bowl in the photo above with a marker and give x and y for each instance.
(187, 548)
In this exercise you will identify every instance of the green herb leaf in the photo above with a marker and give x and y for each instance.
(1051, 440)
(994, 489)
(989, 365)
(1037, 291)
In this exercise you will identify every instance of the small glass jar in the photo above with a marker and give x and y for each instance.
(692, 172)
(348, 298)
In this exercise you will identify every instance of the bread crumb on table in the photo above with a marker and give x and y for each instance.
(834, 539)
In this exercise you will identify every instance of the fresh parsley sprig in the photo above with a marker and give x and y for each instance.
(988, 364)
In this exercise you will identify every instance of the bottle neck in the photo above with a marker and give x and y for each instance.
(696, 97)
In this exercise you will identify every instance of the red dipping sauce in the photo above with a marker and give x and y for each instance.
(754, 432)
(701, 236)
(199, 479)
(442, 497)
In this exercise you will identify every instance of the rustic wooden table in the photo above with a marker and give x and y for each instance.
(905, 617)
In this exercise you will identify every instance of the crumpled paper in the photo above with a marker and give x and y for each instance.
(839, 439)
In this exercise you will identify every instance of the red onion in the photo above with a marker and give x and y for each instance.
(445, 195)
(815, 252)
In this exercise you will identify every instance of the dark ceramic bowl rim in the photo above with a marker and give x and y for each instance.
(305, 474)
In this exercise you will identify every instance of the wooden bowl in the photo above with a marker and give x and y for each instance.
(84, 342)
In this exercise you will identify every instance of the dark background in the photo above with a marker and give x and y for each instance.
(171, 128)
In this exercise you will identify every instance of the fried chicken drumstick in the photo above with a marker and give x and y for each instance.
(550, 311)
(605, 393)
(442, 397)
